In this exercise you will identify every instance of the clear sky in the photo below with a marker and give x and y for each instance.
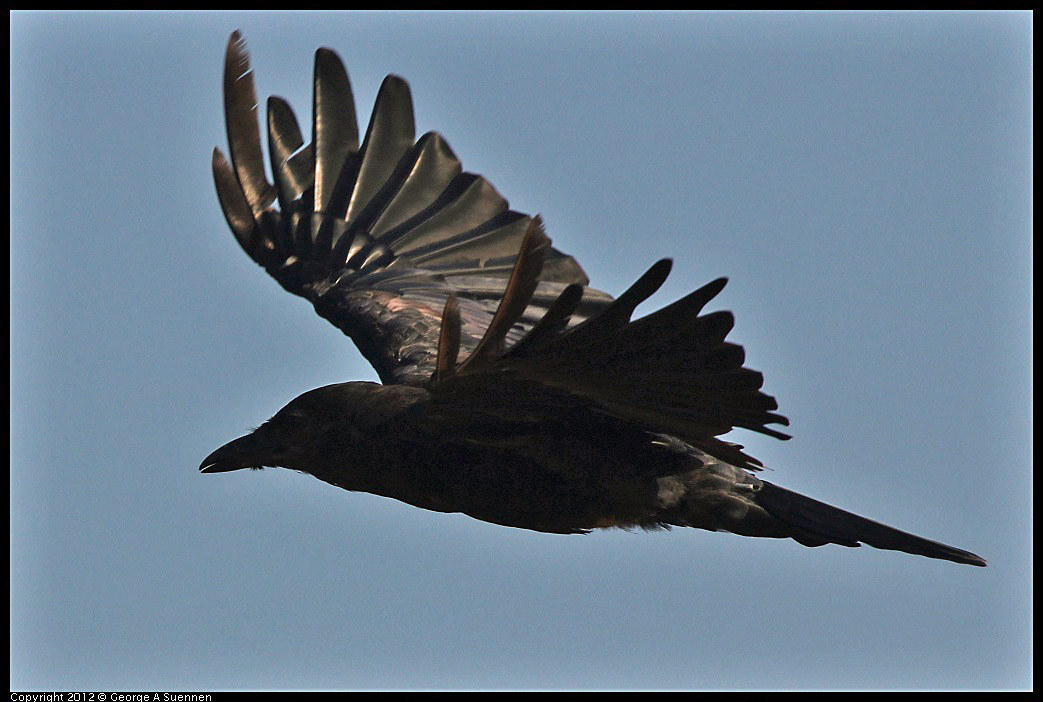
(864, 180)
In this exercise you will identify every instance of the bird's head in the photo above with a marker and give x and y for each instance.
(321, 422)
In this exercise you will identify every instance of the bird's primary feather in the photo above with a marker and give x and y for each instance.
(378, 235)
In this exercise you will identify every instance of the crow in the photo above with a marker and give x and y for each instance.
(511, 390)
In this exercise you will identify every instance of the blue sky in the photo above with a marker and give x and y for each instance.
(864, 180)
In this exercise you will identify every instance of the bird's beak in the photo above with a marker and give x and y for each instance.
(244, 452)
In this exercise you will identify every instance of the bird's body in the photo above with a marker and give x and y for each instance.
(512, 392)
(564, 473)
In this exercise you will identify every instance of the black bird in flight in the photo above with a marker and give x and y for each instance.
(512, 391)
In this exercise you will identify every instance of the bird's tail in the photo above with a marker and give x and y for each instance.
(815, 523)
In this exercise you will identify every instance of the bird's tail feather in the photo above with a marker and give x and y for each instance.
(816, 523)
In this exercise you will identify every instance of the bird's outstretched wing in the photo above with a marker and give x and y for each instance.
(672, 372)
(379, 235)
